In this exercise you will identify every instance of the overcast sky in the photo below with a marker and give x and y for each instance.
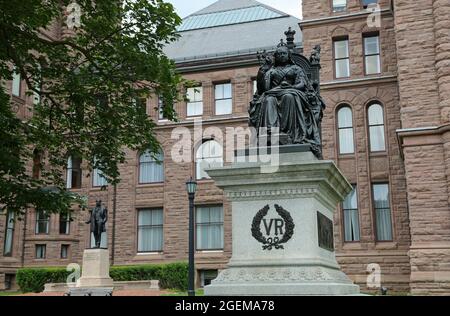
(186, 7)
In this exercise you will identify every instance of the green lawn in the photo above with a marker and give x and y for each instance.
(10, 293)
(198, 292)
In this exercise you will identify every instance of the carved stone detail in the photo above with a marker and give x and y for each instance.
(266, 193)
(282, 275)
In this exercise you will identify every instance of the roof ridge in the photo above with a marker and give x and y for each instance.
(235, 23)
(236, 15)
(228, 10)
(228, 4)
(273, 9)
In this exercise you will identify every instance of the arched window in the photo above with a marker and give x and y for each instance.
(151, 169)
(345, 126)
(73, 172)
(376, 128)
(209, 155)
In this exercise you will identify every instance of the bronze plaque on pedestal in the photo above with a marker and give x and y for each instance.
(325, 232)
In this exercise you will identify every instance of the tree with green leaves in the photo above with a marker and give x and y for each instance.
(86, 81)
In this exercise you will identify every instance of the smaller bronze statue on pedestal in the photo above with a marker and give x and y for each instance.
(98, 219)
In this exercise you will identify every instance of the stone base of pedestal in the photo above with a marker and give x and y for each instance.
(276, 281)
(282, 225)
(95, 270)
(87, 291)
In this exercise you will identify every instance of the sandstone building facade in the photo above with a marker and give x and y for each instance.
(386, 81)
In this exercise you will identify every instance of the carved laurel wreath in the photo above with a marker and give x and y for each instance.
(273, 243)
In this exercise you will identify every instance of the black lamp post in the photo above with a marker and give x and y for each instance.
(191, 187)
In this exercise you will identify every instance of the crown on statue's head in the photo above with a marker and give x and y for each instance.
(282, 44)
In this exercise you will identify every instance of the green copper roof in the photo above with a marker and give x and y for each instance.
(255, 13)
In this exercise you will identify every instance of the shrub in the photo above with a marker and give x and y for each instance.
(33, 280)
(171, 276)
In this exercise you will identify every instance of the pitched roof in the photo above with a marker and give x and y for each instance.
(227, 5)
(229, 27)
(234, 16)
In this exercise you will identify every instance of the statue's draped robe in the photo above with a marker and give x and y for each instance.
(297, 113)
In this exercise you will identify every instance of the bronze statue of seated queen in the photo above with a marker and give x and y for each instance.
(287, 101)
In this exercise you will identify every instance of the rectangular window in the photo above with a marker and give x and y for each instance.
(99, 180)
(40, 251)
(9, 234)
(195, 103)
(150, 231)
(73, 173)
(209, 230)
(151, 169)
(339, 5)
(64, 224)
(161, 116)
(65, 251)
(16, 84)
(372, 55)
(382, 212)
(224, 99)
(342, 58)
(351, 216)
(255, 87)
(42, 222)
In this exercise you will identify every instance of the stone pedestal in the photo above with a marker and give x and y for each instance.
(95, 270)
(282, 215)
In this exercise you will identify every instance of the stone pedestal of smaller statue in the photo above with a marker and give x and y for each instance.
(95, 279)
(95, 270)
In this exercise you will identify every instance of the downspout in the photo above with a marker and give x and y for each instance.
(23, 237)
(113, 243)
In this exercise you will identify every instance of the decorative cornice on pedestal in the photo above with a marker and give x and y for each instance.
(266, 193)
(321, 179)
